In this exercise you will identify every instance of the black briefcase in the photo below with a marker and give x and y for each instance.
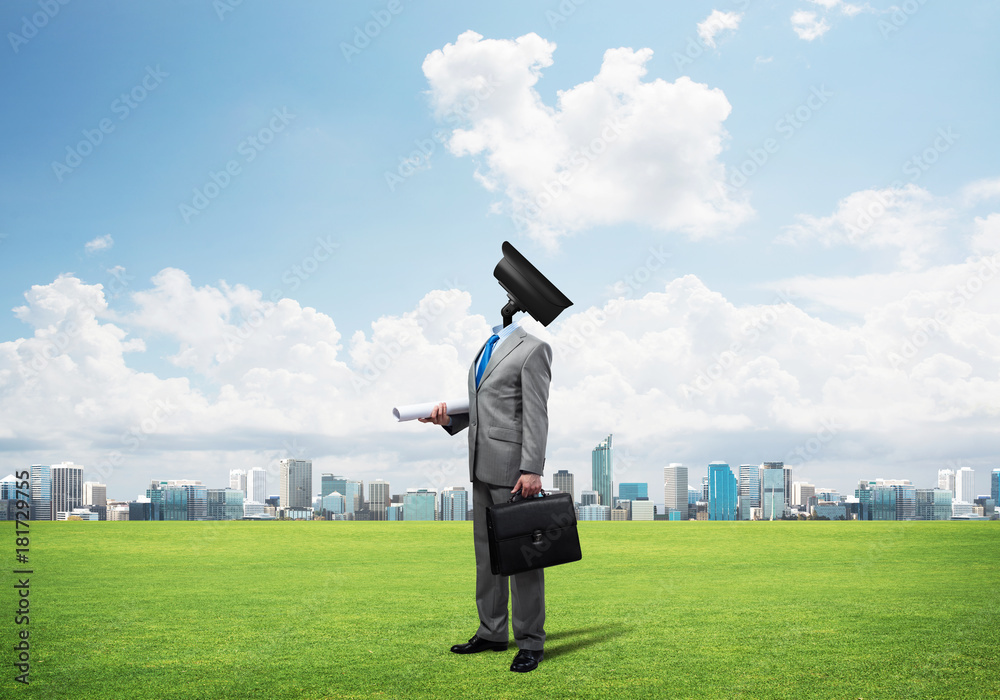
(532, 533)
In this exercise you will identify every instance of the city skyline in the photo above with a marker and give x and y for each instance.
(966, 486)
(216, 257)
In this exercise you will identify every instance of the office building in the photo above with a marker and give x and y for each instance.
(883, 503)
(621, 512)
(67, 487)
(602, 467)
(749, 490)
(995, 486)
(394, 512)
(334, 503)
(933, 504)
(118, 512)
(965, 486)
(195, 498)
(379, 499)
(143, 510)
(906, 499)
(802, 492)
(224, 504)
(562, 480)
(723, 490)
(772, 490)
(256, 485)
(595, 512)
(946, 480)
(238, 481)
(295, 479)
(419, 504)
(704, 489)
(633, 491)
(454, 503)
(95, 494)
(675, 489)
(589, 498)
(643, 510)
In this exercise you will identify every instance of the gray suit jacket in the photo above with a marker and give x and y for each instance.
(508, 417)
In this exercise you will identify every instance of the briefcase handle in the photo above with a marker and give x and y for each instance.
(541, 494)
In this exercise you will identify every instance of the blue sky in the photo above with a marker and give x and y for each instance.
(895, 105)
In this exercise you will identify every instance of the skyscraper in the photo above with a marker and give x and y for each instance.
(946, 480)
(965, 485)
(67, 487)
(995, 486)
(238, 480)
(749, 495)
(95, 494)
(722, 492)
(563, 481)
(589, 498)
(454, 503)
(632, 491)
(675, 490)
(419, 504)
(379, 498)
(256, 485)
(295, 478)
(772, 490)
(602, 467)
(802, 492)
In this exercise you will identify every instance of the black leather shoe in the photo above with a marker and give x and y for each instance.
(476, 645)
(527, 660)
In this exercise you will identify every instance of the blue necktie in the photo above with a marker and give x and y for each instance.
(487, 351)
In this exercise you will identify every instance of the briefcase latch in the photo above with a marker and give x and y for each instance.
(536, 537)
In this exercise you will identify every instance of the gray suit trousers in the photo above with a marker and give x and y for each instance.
(527, 588)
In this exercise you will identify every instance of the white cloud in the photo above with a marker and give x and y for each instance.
(716, 23)
(613, 150)
(909, 219)
(808, 26)
(981, 191)
(100, 243)
(678, 373)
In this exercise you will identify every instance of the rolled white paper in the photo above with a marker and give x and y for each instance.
(423, 410)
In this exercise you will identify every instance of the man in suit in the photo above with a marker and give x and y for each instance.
(508, 426)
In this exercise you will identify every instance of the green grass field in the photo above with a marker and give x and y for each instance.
(369, 610)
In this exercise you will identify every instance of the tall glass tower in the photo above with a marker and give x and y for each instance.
(772, 490)
(602, 466)
(454, 503)
(563, 481)
(675, 491)
(749, 489)
(419, 504)
(295, 478)
(722, 492)
(995, 486)
(41, 492)
(379, 498)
